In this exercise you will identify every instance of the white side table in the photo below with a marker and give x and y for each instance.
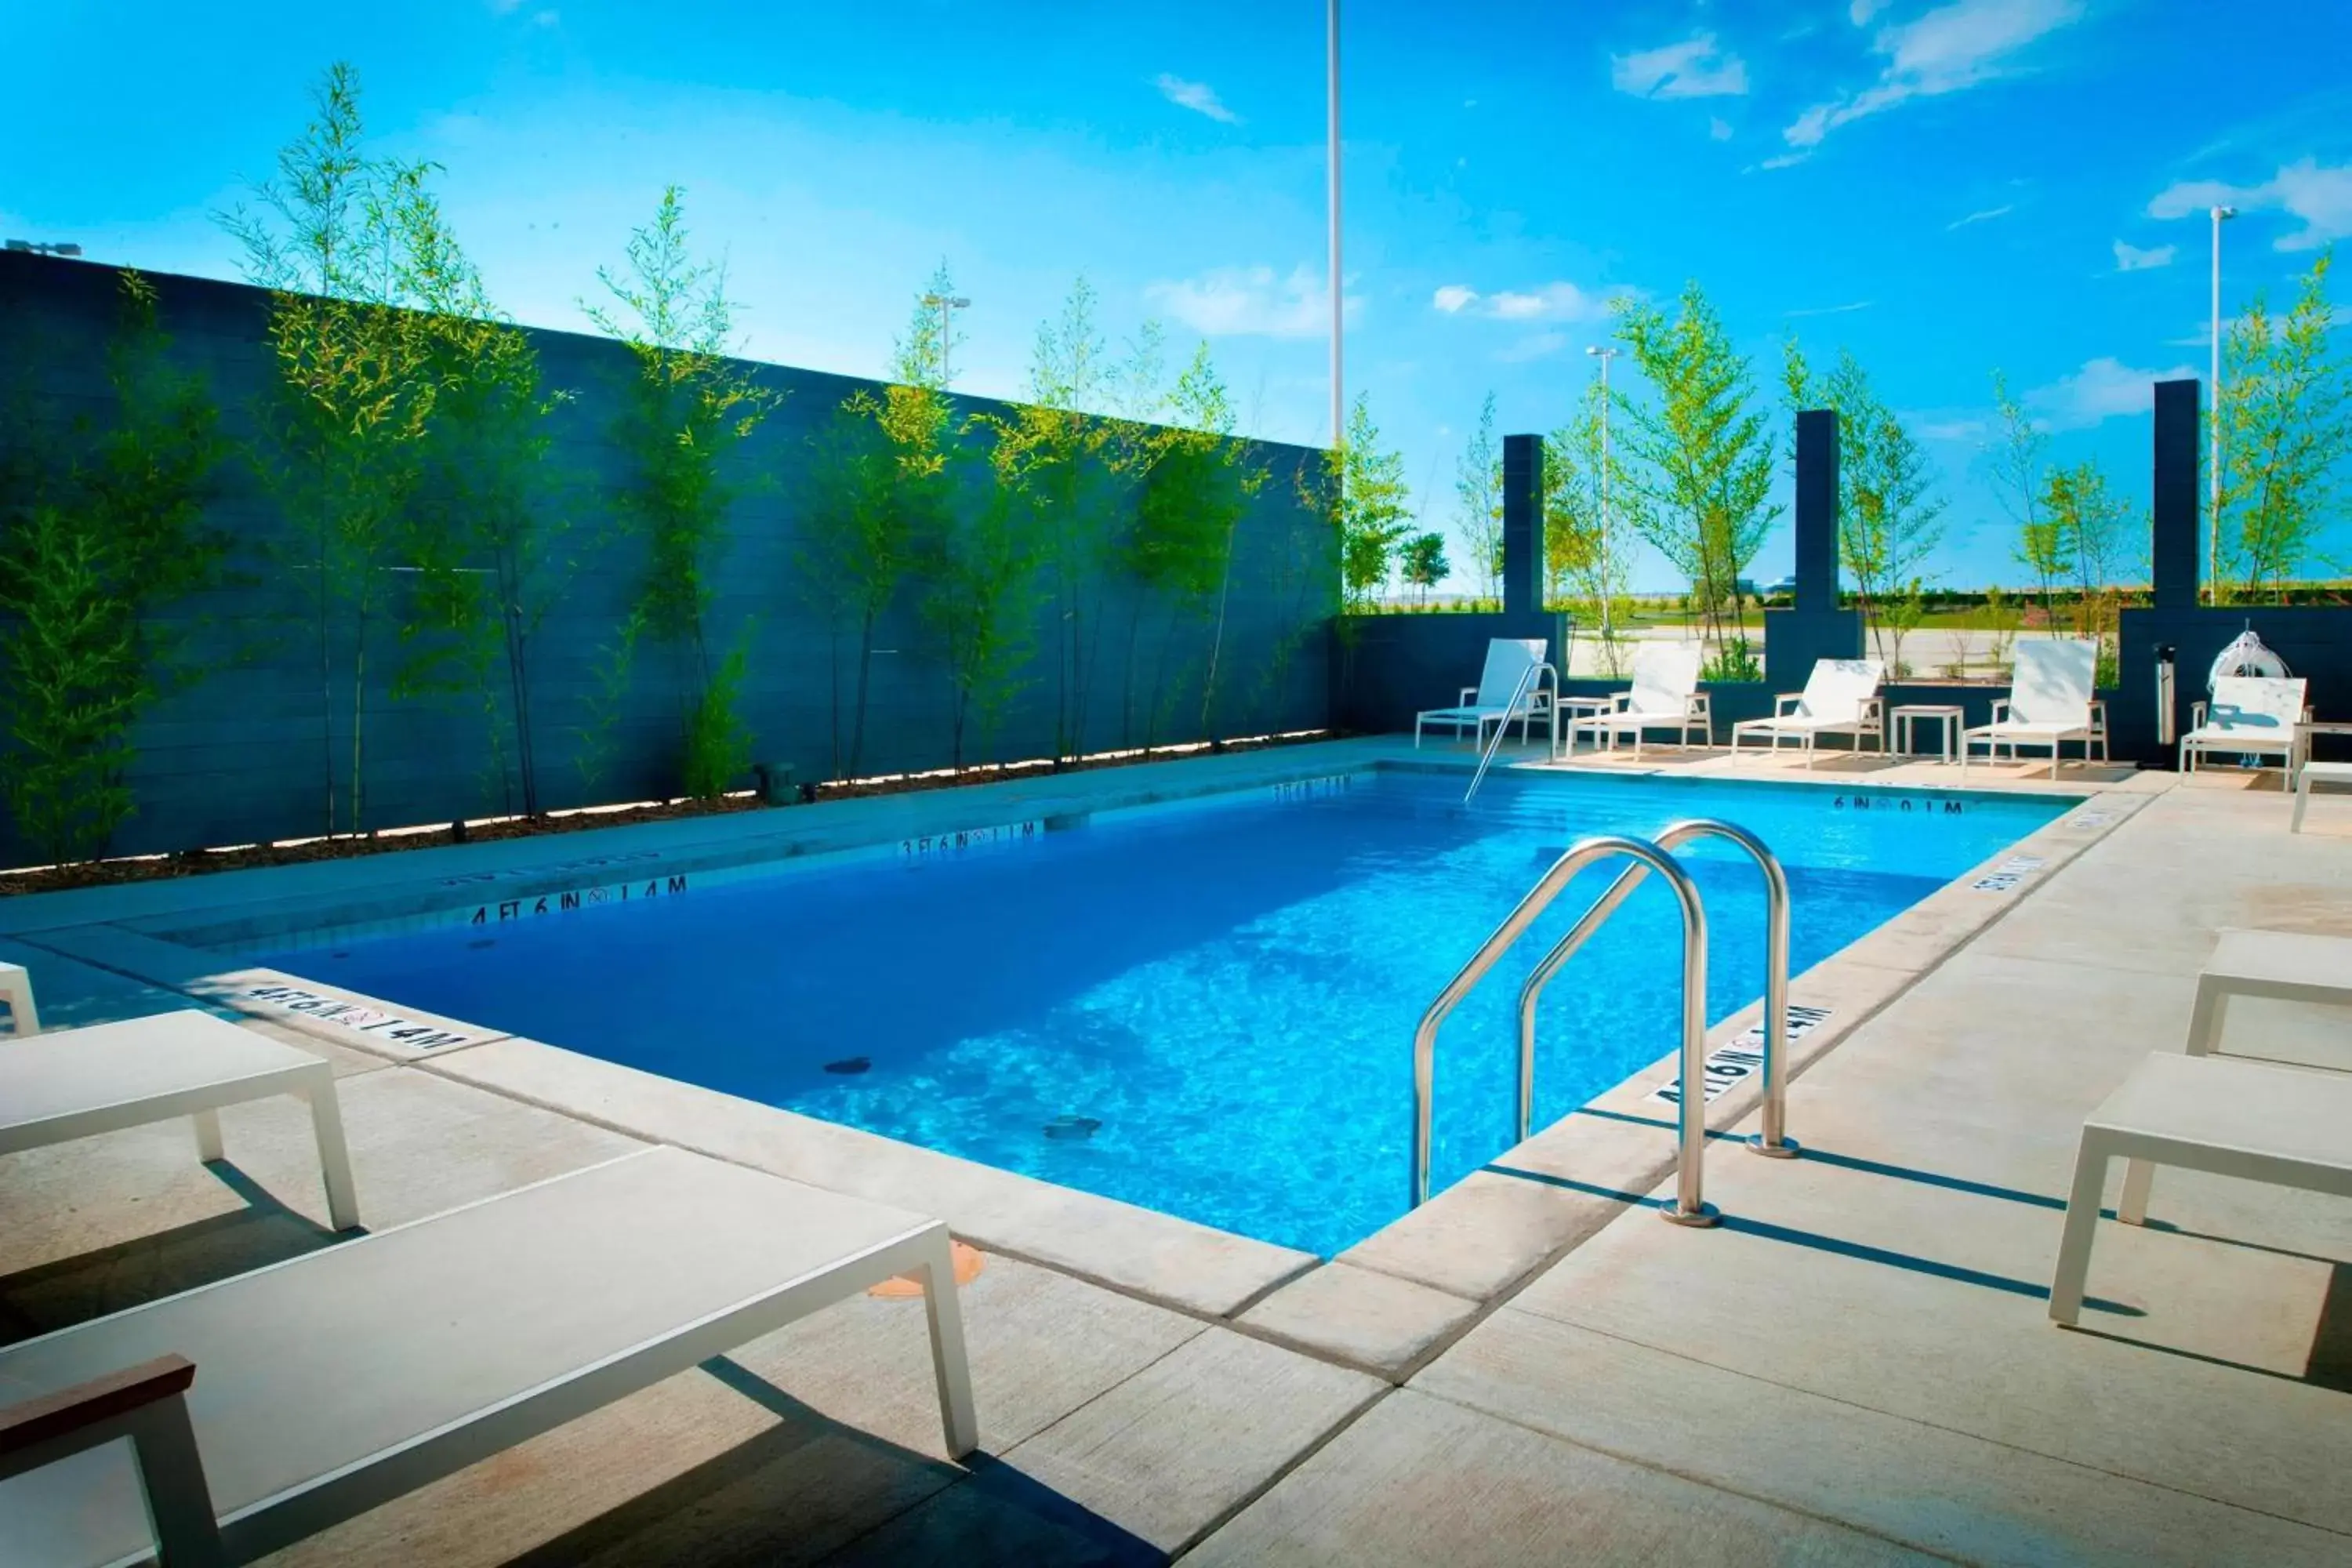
(1905, 718)
(1579, 708)
(2309, 775)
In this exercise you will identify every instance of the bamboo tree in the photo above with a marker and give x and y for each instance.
(481, 540)
(983, 589)
(2018, 457)
(2085, 511)
(1198, 486)
(878, 499)
(2286, 428)
(358, 377)
(1586, 562)
(1369, 507)
(1888, 525)
(684, 411)
(1478, 493)
(90, 559)
(1699, 462)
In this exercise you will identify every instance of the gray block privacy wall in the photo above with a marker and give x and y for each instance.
(246, 753)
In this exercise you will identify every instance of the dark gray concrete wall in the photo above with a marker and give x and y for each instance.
(2314, 640)
(244, 755)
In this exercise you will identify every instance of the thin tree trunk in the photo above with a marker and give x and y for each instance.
(865, 668)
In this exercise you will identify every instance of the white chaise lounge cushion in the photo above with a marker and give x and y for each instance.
(2051, 690)
(2257, 713)
(1508, 659)
(1835, 694)
(1665, 678)
(329, 1383)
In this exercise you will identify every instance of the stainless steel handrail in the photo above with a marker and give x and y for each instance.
(1774, 1140)
(1688, 1206)
(1486, 756)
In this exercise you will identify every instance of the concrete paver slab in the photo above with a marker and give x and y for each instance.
(1937, 1489)
(1041, 1344)
(1377, 1321)
(1422, 1481)
(1172, 1452)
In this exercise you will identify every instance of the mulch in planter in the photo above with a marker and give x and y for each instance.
(198, 862)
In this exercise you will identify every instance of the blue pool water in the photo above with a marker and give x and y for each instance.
(1206, 1009)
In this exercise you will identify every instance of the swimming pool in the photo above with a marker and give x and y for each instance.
(1205, 1008)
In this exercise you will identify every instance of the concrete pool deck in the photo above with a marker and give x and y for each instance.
(1857, 1366)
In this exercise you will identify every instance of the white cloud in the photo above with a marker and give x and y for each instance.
(1560, 301)
(1719, 128)
(1862, 11)
(2104, 388)
(1955, 45)
(2321, 196)
(1696, 68)
(2132, 258)
(1250, 302)
(1197, 96)
(1960, 429)
(1781, 161)
(1986, 216)
(1535, 347)
(1832, 310)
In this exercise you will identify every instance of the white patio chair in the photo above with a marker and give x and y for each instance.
(1841, 697)
(2049, 702)
(1665, 695)
(336, 1381)
(1511, 686)
(2250, 715)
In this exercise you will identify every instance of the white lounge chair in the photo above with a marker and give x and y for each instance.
(2275, 965)
(16, 991)
(1513, 684)
(1841, 697)
(2280, 1125)
(2250, 715)
(2049, 702)
(1665, 695)
(75, 1083)
(334, 1382)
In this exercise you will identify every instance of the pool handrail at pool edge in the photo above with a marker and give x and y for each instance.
(1689, 1205)
(1773, 1141)
(1519, 693)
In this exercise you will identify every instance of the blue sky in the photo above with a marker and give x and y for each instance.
(1944, 188)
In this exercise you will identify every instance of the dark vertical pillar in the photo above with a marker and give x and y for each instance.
(1522, 544)
(1817, 508)
(2175, 547)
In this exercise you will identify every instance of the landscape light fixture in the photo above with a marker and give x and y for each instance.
(1604, 356)
(33, 248)
(2213, 421)
(945, 304)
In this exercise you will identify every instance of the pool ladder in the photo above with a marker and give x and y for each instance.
(1689, 1205)
(1536, 674)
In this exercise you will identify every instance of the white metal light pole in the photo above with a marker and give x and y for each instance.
(944, 304)
(1604, 356)
(2213, 421)
(1331, 133)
